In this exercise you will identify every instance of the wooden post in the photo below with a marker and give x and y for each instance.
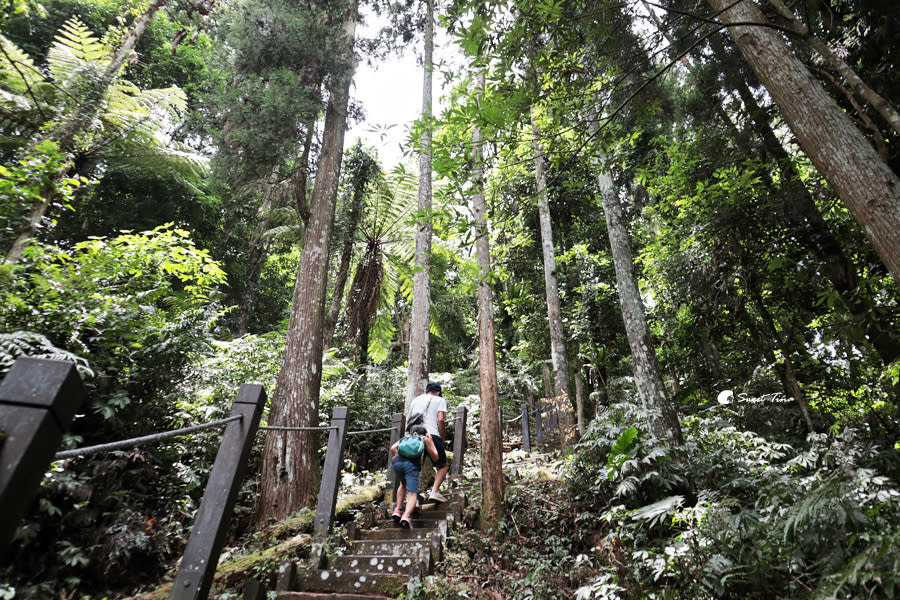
(526, 434)
(539, 422)
(38, 400)
(553, 415)
(201, 555)
(287, 573)
(397, 424)
(331, 472)
(254, 590)
(459, 441)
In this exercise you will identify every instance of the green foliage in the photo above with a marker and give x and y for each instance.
(132, 309)
(620, 452)
(731, 514)
(25, 181)
(25, 343)
(131, 124)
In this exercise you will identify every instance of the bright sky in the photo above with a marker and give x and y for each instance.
(391, 95)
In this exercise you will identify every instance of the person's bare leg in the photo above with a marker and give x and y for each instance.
(439, 476)
(401, 493)
(411, 503)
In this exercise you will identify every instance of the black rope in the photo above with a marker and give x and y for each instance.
(139, 441)
(370, 431)
(280, 428)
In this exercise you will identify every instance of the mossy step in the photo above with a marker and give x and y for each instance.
(351, 582)
(372, 563)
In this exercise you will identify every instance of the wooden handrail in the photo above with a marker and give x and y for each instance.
(201, 555)
(331, 472)
(459, 440)
(38, 400)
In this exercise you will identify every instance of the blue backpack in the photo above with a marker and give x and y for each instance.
(412, 446)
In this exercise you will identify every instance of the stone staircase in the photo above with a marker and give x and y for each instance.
(379, 559)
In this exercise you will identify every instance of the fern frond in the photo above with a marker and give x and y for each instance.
(13, 103)
(29, 343)
(18, 72)
(176, 161)
(74, 45)
(281, 231)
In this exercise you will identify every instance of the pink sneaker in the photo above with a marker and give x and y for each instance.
(406, 522)
(397, 515)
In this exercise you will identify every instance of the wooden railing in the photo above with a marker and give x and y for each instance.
(39, 399)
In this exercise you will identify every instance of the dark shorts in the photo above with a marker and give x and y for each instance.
(407, 472)
(442, 454)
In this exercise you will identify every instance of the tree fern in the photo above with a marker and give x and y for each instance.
(18, 72)
(28, 343)
(131, 128)
(73, 46)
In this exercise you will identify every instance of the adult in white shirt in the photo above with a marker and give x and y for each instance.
(434, 408)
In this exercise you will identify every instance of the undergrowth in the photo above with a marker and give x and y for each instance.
(730, 514)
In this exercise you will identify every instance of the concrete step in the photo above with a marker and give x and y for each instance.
(350, 582)
(327, 596)
(418, 521)
(395, 533)
(372, 563)
(389, 547)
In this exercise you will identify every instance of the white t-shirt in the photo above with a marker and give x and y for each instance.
(437, 404)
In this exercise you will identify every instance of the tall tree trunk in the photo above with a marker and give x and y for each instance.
(492, 508)
(878, 102)
(554, 311)
(547, 379)
(839, 151)
(290, 474)
(361, 178)
(803, 214)
(800, 205)
(647, 375)
(417, 372)
(64, 135)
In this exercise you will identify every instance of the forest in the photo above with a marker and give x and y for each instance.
(676, 221)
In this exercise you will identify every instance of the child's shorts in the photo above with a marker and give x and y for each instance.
(409, 474)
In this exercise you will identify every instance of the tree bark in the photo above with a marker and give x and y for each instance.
(869, 188)
(647, 375)
(492, 508)
(290, 474)
(878, 102)
(417, 372)
(554, 311)
(804, 215)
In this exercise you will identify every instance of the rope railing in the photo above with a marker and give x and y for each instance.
(382, 430)
(157, 437)
(284, 428)
(139, 441)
